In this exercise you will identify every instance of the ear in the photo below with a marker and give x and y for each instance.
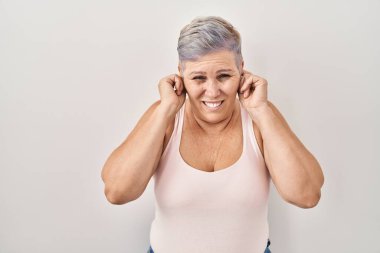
(180, 70)
(241, 67)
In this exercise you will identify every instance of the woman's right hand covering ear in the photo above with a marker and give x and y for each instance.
(172, 91)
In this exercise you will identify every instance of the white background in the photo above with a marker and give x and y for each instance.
(75, 76)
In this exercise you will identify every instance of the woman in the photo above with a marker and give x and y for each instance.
(212, 155)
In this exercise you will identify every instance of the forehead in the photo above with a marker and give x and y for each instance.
(215, 61)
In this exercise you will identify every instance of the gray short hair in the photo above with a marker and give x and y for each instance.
(207, 34)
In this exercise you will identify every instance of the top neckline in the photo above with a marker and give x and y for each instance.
(225, 170)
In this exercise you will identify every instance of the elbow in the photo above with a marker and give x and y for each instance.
(311, 202)
(116, 194)
(115, 200)
(306, 201)
(117, 197)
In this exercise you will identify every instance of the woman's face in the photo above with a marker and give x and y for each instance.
(212, 83)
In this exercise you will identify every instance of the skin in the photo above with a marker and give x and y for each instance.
(212, 86)
(295, 172)
(206, 130)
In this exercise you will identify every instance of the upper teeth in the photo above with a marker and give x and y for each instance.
(213, 104)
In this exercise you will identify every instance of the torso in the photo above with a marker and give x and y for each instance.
(199, 151)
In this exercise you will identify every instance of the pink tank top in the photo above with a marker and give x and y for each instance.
(203, 212)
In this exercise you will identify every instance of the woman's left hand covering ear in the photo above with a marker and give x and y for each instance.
(253, 90)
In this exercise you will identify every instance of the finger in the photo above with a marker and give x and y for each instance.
(182, 88)
(243, 81)
(255, 78)
(247, 84)
(242, 78)
(246, 72)
(246, 93)
(259, 82)
(174, 83)
(179, 84)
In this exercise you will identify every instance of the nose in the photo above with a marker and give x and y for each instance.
(212, 89)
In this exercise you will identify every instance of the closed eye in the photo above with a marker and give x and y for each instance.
(224, 75)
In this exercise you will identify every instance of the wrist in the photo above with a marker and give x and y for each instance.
(167, 110)
(258, 113)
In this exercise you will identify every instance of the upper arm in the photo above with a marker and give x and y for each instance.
(259, 138)
(144, 118)
(168, 134)
(168, 130)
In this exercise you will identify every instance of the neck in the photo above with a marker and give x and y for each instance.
(211, 129)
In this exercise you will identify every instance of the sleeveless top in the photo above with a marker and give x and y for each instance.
(223, 211)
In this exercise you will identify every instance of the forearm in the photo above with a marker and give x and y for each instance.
(294, 170)
(130, 166)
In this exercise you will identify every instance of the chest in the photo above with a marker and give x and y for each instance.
(211, 153)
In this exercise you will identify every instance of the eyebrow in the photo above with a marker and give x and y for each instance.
(202, 72)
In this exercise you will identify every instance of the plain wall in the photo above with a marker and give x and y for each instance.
(75, 77)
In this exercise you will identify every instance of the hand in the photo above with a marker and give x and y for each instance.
(252, 91)
(172, 91)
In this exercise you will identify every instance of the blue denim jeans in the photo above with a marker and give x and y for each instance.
(267, 250)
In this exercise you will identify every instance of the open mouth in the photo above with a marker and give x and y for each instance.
(213, 105)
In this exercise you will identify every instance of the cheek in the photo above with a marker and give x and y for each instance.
(193, 90)
(232, 87)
